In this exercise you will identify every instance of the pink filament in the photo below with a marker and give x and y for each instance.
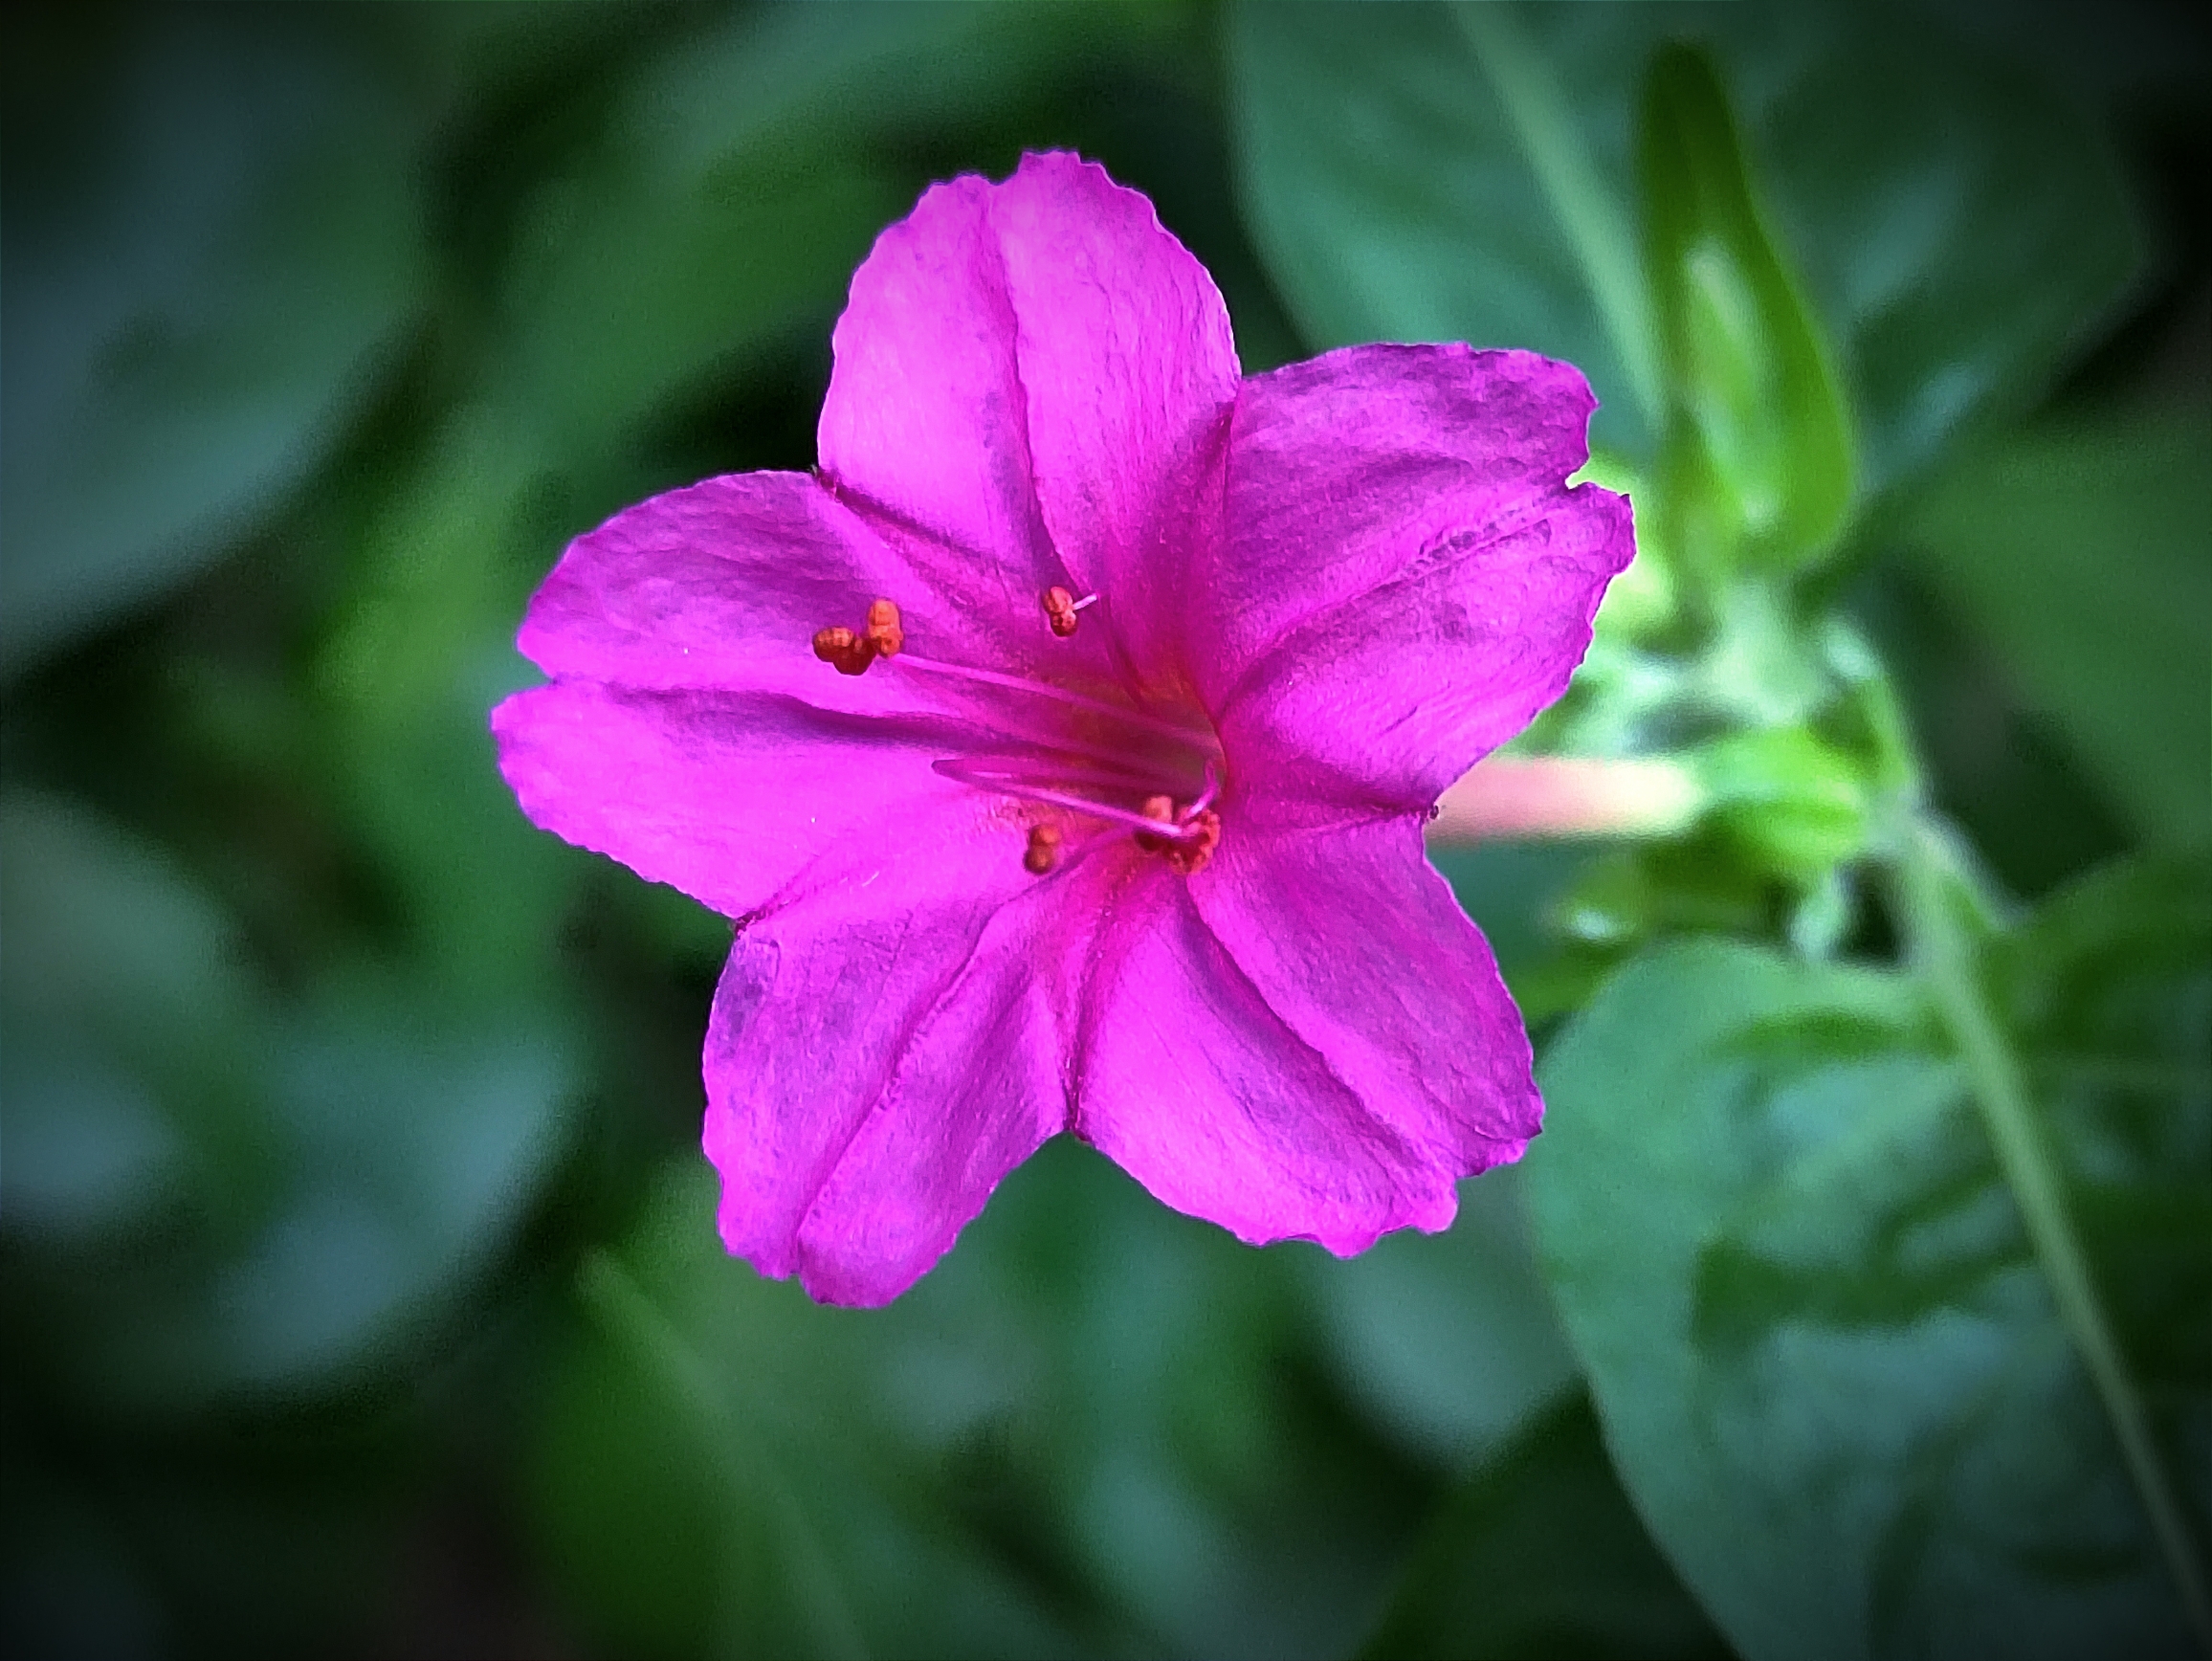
(1079, 804)
(1038, 688)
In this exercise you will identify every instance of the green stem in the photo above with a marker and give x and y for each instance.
(1946, 957)
(1595, 226)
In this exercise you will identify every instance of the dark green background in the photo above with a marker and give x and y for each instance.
(359, 1288)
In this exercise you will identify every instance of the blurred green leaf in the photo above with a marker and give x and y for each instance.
(126, 1009)
(1449, 1340)
(411, 1131)
(222, 248)
(2083, 554)
(1796, 803)
(1756, 454)
(1826, 1358)
(1393, 195)
(743, 172)
(318, 1174)
(419, 649)
(722, 1466)
(1539, 1554)
(1097, 1425)
(1404, 186)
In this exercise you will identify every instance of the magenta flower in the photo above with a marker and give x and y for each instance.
(1062, 744)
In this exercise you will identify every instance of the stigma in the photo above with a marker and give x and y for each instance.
(1187, 837)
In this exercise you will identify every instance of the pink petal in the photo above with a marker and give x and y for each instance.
(722, 585)
(1132, 373)
(880, 1055)
(1191, 1082)
(1031, 384)
(925, 423)
(1405, 579)
(728, 796)
(1358, 947)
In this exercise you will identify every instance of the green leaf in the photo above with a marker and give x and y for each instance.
(418, 651)
(722, 1465)
(1096, 1427)
(1449, 1340)
(1826, 1359)
(124, 1008)
(321, 1173)
(1758, 451)
(197, 300)
(1404, 185)
(743, 173)
(1541, 1554)
(1393, 193)
(1796, 804)
(2082, 553)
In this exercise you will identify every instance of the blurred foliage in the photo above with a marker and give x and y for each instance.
(356, 1260)
(1466, 173)
(2078, 547)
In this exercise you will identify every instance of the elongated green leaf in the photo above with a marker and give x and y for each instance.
(2082, 555)
(124, 1008)
(1757, 450)
(1826, 1359)
(1400, 189)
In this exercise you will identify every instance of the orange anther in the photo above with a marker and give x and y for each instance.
(1060, 610)
(850, 654)
(884, 634)
(1043, 850)
(843, 650)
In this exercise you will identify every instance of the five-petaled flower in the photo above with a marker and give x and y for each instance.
(1061, 746)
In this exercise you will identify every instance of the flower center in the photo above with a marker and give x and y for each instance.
(1093, 768)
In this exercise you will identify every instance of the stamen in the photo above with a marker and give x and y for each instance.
(1188, 838)
(1061, 608)
(1074, 700)
(992, 773)
(843, 650)
(1206, 799)
(1027, 792)
(850, 654)
(1043, 850)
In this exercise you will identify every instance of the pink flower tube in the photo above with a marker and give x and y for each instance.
(1062, 744)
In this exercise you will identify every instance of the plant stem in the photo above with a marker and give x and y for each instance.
(1946, 957)
(1596, 228)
